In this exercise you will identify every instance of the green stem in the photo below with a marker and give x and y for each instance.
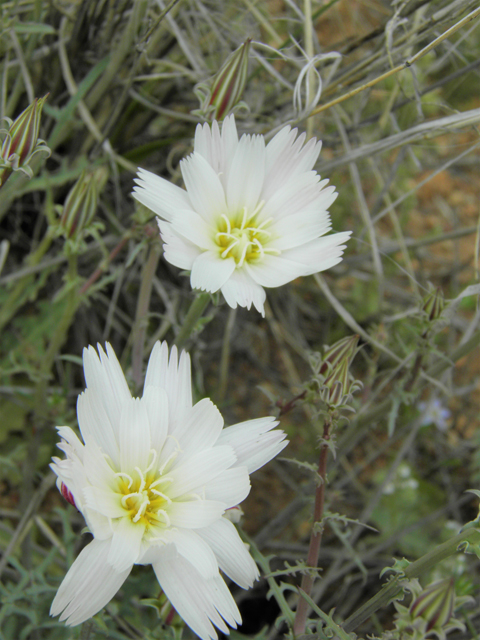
(414, 570)
(194, 314)
(141, 316)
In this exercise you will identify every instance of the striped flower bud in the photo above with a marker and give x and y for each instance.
(229, 83)
(338, 385)
(21, 141)
(434, 304)
(80, 205)
(435, 604)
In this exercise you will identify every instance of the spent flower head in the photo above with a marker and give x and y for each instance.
(80, 206)
(21, 141)
(253, 215)
(155, 478)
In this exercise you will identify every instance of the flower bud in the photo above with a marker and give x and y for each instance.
(80, 205)
(21, 141)
(435, 604)
(67, 494)
(229, 83)
(434, 304)
(344, 349)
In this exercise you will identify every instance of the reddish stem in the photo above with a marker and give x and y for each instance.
(316, 537)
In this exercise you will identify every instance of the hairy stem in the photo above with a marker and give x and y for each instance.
(316, 536)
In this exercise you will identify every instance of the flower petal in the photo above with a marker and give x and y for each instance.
(105, 377)
(246, 176)
(196, 470)
(195, 514)
(88, 586)
(177, 250)
(218, 148)
(242, 290)
(197, 600)
(319, 254)
(231, 487)
(160, 195)
(196, 551)
(231, 553)
(95, 424)
(275, 271)
(193, 227)
(300, 228)
(155, 400)
(254, 441)
(201, 428)
(126, 543)
(105, 501)
(204, 188)
(134, 436)
(175, 377)
(210, 272)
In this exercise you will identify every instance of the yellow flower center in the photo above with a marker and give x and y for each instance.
(242, 238)
(144, 498)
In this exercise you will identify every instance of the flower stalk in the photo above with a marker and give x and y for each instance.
(316, 535)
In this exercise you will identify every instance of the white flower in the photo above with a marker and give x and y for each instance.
(252, 215)
(153, 479)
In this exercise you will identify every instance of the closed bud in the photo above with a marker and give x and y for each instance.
(21, 141)
(343, 350)
(435, 604)
(229, 83)
(434, 304)
(80, 205)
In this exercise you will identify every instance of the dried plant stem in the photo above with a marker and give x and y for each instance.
(316, 537)
(407, 63)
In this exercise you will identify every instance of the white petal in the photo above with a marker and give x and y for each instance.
(195, 513)
(193, 227)
(254, 442)
(300, 228)
(231, 553)
(71, 438)
(210, 272)
(197, 469)
(88, 586)
(197, 600)
(241, 290)
(246, 176)
(105, 377)
(175, 377)
(204, 188)
(134, 436)
(97, 469)
(105, 501)
(159, 195)
(319, 254)
(287, 158)
(126, 543)
(275, 271)
(177, 250)
(194, 549)
(201, 427)
(155, 400)
(232, 486)
(295, 195)
(95, 424)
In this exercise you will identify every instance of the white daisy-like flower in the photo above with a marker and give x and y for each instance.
(154, 478)
(253, 215)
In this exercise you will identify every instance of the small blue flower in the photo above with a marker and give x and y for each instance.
(433, 412)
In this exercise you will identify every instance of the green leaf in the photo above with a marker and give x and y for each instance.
(37, 28)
